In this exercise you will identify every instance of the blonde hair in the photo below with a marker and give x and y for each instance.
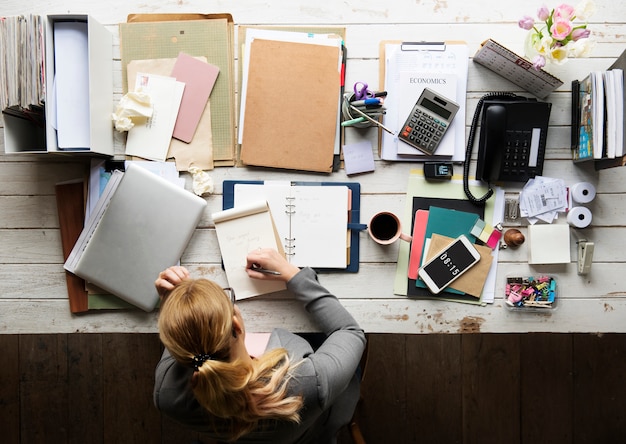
(197, 318)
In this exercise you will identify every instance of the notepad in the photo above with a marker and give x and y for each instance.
(548, 244)
(239, 231)
(140, 226)
(312, 221)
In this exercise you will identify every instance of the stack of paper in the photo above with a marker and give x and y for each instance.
(151, 139)
(542, 198)
(146, 41)
(290, 99)
(21, 68)
(423, 195)
(71, 75)
(408, 68)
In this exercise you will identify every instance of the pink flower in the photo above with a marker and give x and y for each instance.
(539, 62)
(543, 13)
(526, 22)
(560, 29)
(580, 33)
(564, 11)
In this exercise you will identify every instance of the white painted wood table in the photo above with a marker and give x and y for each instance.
(33, 296)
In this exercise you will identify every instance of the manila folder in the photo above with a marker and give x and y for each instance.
(291, 106)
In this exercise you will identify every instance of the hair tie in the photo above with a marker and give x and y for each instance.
(200, 359)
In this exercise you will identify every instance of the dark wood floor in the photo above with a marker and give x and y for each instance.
(472, 388)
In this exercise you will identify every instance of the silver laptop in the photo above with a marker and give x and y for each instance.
(140, 226)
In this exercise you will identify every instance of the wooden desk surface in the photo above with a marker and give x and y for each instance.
(32, 288)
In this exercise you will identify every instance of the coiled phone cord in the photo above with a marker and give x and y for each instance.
(470, 144)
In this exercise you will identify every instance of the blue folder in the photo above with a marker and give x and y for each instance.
(354, 224)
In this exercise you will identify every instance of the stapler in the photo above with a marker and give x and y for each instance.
(585, 256)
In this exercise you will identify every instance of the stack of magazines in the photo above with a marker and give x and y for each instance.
(22, 91)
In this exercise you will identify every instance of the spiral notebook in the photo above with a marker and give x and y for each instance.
(318, 222)
(239, 231)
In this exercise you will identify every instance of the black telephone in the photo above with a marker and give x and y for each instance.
(512, 142)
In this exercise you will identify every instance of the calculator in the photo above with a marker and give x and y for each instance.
(428, 121)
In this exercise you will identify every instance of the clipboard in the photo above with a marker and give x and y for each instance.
(354, 225)
(447, 57)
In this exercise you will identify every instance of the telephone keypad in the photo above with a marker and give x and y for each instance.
(516, 153)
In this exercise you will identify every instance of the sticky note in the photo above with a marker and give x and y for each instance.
(495, 236)
(358, 158)
(484, 236)
(478, 228)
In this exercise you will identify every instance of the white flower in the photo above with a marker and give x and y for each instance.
(558, 54)
(581, 48)
(585, 9)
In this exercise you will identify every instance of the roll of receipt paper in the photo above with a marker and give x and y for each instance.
(583, 192)
(579, 217)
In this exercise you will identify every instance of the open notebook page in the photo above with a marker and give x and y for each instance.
(311, 220)
(239, 231)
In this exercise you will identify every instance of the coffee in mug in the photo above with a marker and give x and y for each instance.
(385, 228)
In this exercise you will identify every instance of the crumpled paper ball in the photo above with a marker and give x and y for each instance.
(202, 182)
(133, 105)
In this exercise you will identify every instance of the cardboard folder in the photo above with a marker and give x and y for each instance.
(156, 36)
(290, 116)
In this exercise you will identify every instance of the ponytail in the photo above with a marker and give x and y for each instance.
(195, 325)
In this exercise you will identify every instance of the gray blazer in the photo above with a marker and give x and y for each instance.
(325, 378)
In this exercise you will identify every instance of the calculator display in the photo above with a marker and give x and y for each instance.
(432, 106)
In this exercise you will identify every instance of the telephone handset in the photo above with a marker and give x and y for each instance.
(512, 142)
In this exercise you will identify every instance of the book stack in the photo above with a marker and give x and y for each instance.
(598, 117)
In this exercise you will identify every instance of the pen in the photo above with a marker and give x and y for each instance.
(353, 121)
(257, 267)
(374, 121)
(372, 101)
(380, 94)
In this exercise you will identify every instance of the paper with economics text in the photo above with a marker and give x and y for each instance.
(454, 59)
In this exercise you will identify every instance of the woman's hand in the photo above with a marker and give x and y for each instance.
(170, 278)
(272, 260)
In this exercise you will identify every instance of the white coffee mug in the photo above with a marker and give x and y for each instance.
(385, 228)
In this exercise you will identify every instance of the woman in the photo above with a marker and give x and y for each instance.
(207, 379)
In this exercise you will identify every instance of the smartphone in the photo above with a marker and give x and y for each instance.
(449, 264)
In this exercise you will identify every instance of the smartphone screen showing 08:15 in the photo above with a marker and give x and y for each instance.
(449, 264)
